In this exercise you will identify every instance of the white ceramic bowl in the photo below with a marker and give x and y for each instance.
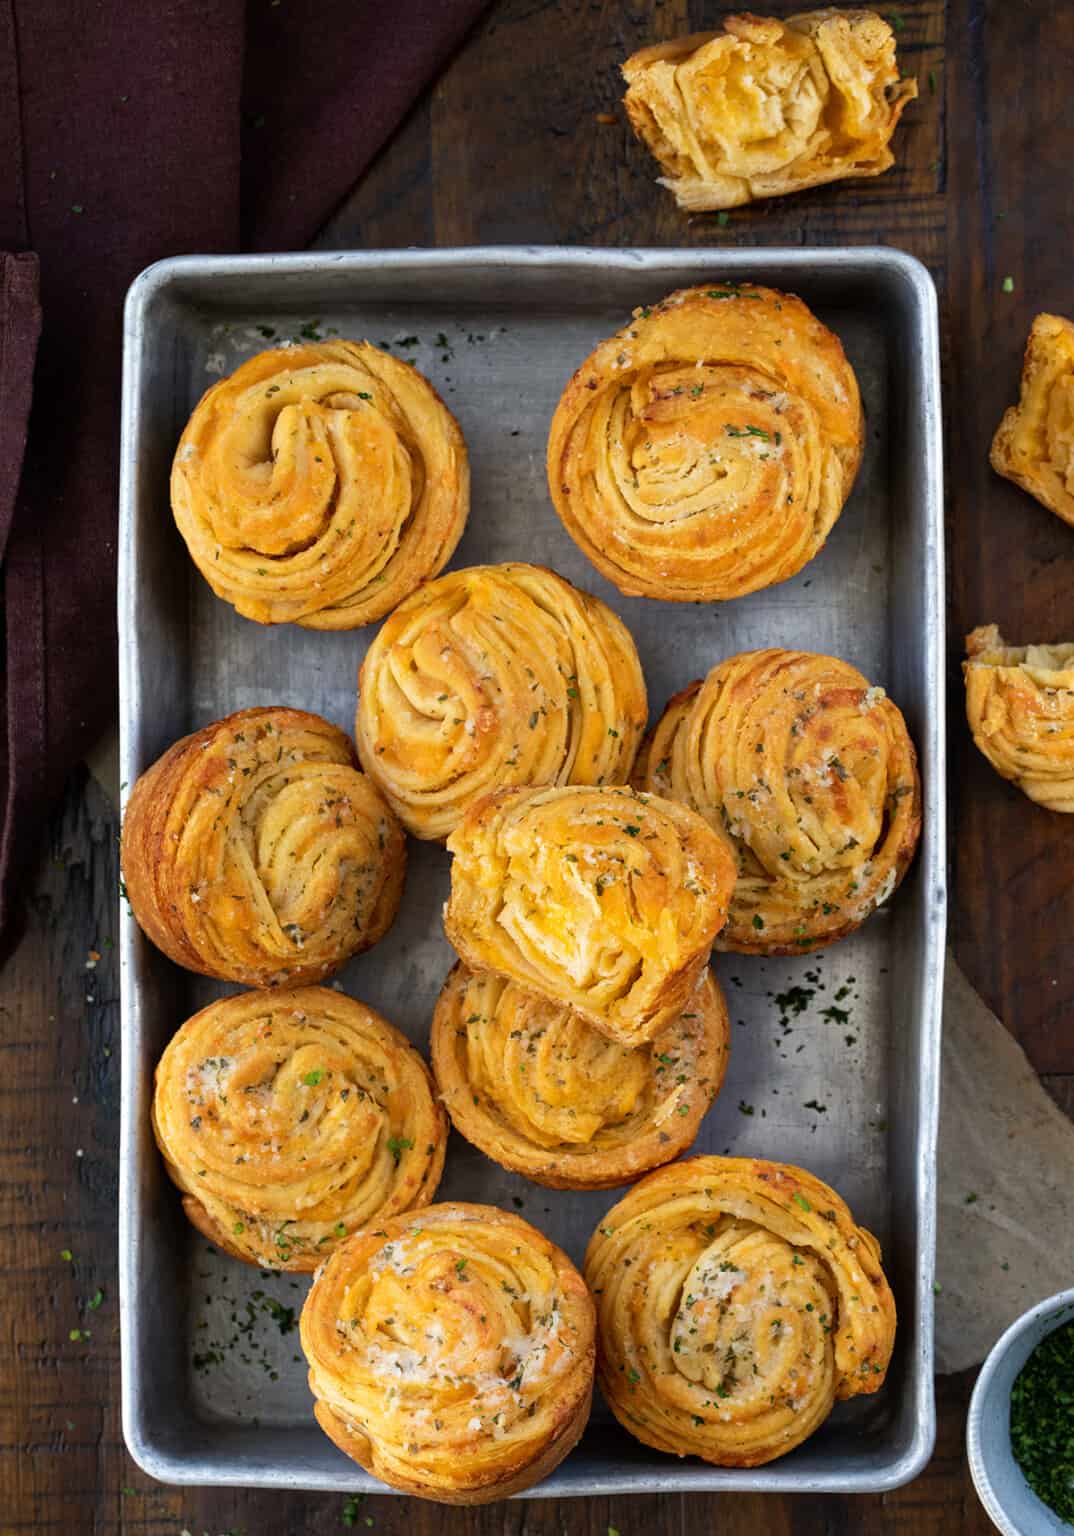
(1011, 1504)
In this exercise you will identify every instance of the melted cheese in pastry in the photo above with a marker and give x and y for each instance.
(768, 106)
(1034, 443)
(599, 899)
(1020, 707)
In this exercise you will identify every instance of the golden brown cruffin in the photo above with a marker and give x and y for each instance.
(542, 1092)
(602, 900)
(451, 1353)
(492, 676)
(291, 1119)
(320, 484)
(737, 1300)
(257, 851)
(810, 772)
(768, 106)
(1020, 706)
(1034, 443)
(707, 449)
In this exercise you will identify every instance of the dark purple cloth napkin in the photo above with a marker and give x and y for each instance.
(129, 133)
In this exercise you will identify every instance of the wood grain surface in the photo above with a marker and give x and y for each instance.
(510, 147)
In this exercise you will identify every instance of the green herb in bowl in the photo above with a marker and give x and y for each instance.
(1042, 1421)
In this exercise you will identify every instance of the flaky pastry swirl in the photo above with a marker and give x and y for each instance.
(707, 449)
(599, 899)
(291, 1119)
(257, 851)
(1020, 707)
(1034, 443)
(451, 1353)
(737, 1300)
(542, 1092)
(320, 484)
(768, 106)
(492, 676)
(810, 772)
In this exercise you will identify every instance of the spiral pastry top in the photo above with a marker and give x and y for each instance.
(498, 675)
(736, 1301)
(1034, 443)
(542, 1092)
(257, 851)
(768, 105)
(451, 1353)
(320, 485)
(811, 773)
(599, 899)
(291, 1119)
(708, 448)
(1020, 706)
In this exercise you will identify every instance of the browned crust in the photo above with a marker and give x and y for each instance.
(812, 933)
(153, 878)
(572, 1407)
(863, 1340)
(361, 1448)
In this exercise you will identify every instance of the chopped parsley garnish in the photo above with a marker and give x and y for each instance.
(311, 1079)
(803, 1202)
(397, 1145)
(283, 1317)
(1042, 1421)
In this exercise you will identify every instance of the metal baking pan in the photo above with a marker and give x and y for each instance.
(214, 1389)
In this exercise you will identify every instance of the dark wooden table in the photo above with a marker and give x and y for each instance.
(512, 146)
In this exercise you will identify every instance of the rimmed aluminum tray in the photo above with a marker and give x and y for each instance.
(214, 1390)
